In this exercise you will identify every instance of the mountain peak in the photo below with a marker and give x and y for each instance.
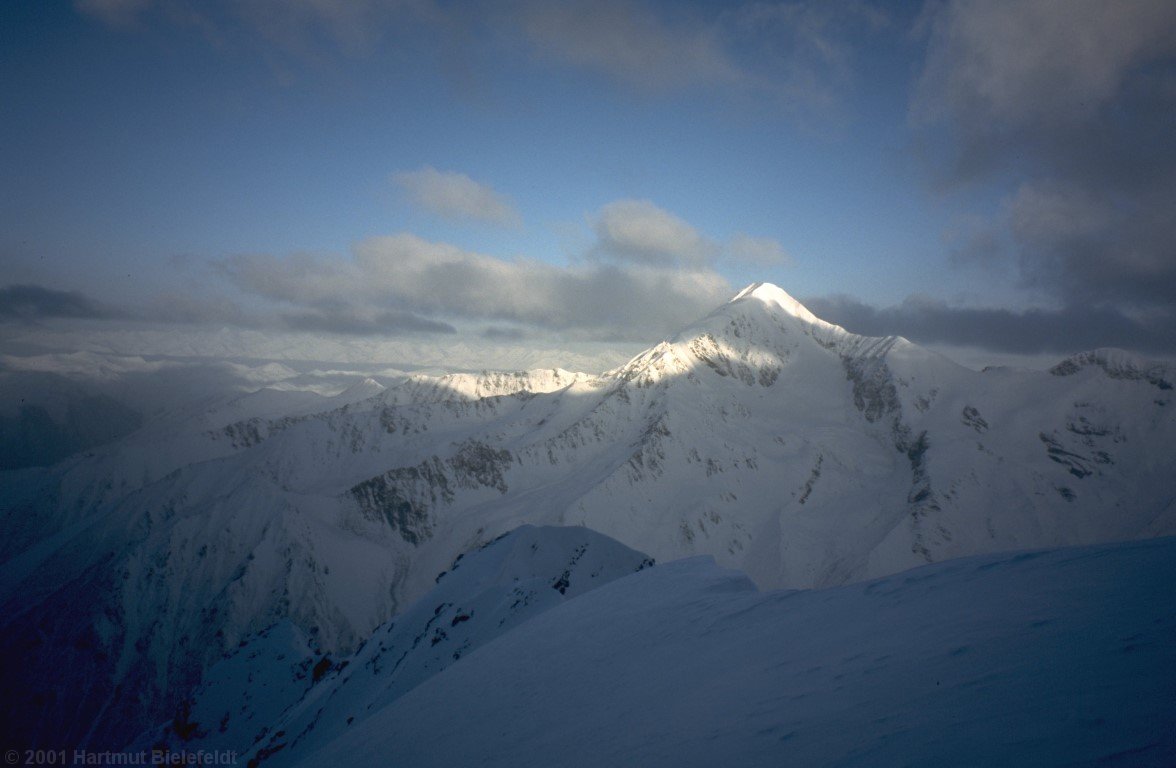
(773, 295)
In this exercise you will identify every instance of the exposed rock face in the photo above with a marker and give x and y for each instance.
(1117, 364)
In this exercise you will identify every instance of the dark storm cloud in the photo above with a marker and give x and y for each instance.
(1062, 331)
(1090, 246)
(32, 302)
(1076, 102)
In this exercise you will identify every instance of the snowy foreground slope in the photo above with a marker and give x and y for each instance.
(1063, 657)
(1060, 657)
(781, 445)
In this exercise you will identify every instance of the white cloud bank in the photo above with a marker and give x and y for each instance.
(647, 273)
(418, 278)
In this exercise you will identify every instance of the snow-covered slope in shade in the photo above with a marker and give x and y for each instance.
(1048, 658)
(243, 694)
(779, 444)
(274, 695)
(45, 418)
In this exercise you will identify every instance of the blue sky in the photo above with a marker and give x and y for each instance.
(597, 171)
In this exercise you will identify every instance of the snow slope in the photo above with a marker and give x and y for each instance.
(274, 696)
(1045, 658)
(777, 443)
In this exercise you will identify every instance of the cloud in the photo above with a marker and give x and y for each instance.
(971, 239)
(194, 309)
(34, 302)
(1025, 63)
(457, 196)
(1090, 247)
(1064, 331)
(117, 13)
(299, 279)
(296, 26)
(309, 30)
(1074, 103)
(639, 232)
(803, 52)
(389, 323)
(757, 251)
(316, 291)
(796, 54)
(405, 273)
(648, 274)
(499, 333)
(631, 43)
(440, 278)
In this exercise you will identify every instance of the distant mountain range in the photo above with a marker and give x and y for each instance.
(779, 444)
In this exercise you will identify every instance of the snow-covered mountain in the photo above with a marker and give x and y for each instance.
(779, 444)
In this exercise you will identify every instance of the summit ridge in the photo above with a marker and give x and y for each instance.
(773, 295)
